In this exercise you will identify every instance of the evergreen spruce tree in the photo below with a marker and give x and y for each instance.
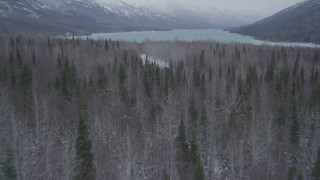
(194, 157)
(203, 119)
(193, 153)
(102, 77)
(158, 79)
(295, 67)
(203, 85)
(26, 79)
(64, 85)
(202, 59)
(179, 72)
(210, 73)
(302, 75)
(122, 74)
(59, 61)
(193, 112)
(182, 140)
(49, 44)
(165, 175)
(292, 173)
(19, 58)
(13, 79)
(270, 72)
(280, 116)
(34, 59)
(152, 116)
(166, 82)
(122, 84)
(203, 127)
(8, 167)
(85, 168)
(106, 45)
(198, 170)
(316, 168)
(240, 86)
(220, 72)
(295, 127)
(11, 42)
(196, 75)
(57, 83)
(146, 81)
(26, 83)
(11, 57)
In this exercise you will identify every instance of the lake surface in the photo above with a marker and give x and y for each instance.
(217, 35)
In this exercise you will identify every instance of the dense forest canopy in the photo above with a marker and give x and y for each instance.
(84, 109)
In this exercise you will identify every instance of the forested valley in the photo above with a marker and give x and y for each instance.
(84, 109)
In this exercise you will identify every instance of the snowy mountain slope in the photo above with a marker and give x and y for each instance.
(77, 16)
(83, 16)
(299, 23)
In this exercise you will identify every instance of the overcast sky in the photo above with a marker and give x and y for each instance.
(267, 6)
(262, 6)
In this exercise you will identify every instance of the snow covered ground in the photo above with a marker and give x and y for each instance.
(149, 59)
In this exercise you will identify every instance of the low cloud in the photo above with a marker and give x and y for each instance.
(261, 6)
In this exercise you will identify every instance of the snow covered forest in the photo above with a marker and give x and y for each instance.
(84, 109)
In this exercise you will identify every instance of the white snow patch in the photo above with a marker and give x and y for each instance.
(5, 9)
(32, 14)
(153, 60)
(217, 169)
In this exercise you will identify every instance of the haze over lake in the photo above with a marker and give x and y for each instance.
(217, 35)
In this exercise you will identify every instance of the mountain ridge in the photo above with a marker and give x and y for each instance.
(81, 16)
(298, 23)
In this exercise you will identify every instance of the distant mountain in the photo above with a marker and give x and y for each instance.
(87, 16)
(299, 23)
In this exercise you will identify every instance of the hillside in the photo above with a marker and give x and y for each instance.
(83, 16)
(83, 109)
(299, 23)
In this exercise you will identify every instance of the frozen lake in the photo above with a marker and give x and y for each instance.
(217, 35)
